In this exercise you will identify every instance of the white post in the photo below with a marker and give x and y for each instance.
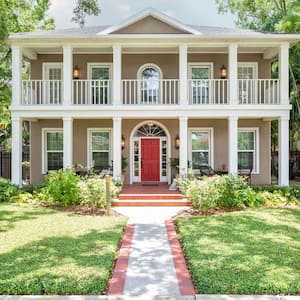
(284, 73)
(233, 74)
(117, 73)
(117, 153)
(183, 148)
(67, 74)
(183, 52)
(233, 145)
(283, 151)
(68, 142)
(16, 151)
(16, 75)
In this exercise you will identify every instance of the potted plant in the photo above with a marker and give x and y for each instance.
(124, 166)
(174, 162)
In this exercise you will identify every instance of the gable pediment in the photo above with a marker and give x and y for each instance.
(149, 25)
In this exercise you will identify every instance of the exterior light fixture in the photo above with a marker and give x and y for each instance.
(76, 72)
(223, 72)
(177, 142)
(123, 142)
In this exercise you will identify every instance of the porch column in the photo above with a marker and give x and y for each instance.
(183, 79)
(284, 73)
(16, 151)
(233, 145)
(183, 149)
(117, 148)
(117, 74)
(68, 142)
(233, 75)
(16, 75)
(67, 74)
(283, 151)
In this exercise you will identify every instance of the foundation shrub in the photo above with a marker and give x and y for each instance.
(7, 190)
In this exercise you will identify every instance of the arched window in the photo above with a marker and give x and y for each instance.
(150, 130)
(149, 77)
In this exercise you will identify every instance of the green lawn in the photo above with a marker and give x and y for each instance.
(247, 252)
(43, 251)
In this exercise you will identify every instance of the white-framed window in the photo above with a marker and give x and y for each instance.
(99, 75)
(247, 70)
(199, 75)
(99, 148)
(52, 141)
(248, 149)
(201, 147)
(149, 76)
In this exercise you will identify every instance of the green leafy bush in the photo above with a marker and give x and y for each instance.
(61, 188)
(7, 190)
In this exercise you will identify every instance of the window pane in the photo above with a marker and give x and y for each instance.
(100, 73)
(55, 141)
(200, 140)
(101, 160)
(100, 141)
(150, 73)
(200, 73)
(55, 161)
(245, 160)
(199, 158)
(246, 140)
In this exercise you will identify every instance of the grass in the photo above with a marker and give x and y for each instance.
(43, 251)
(246, 252)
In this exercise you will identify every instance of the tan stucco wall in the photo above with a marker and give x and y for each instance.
(168, 63)
(149, 25)
(220, 127)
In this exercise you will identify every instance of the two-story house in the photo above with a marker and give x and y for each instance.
(150, 89)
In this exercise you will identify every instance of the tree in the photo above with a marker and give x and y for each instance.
(274, 16)
(83, 9)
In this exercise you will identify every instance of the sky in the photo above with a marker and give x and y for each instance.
(200, 12)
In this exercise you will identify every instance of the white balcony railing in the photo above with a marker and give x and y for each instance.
(39, 92)
(208, 91)
(150, 92)
(258, 91)
(92, 92)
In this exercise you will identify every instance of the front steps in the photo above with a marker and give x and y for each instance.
(170, 199)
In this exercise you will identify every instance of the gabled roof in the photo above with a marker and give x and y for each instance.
(150, 12)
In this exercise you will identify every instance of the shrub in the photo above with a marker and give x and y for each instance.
(61, 188)
(7, 190)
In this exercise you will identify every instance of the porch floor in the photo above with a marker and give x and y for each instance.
(138, 188)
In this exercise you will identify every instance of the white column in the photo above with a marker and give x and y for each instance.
(16, 74)
(117, 148)
(283, 151)
(68, 142)
(183, 149)
(183, 53)
(284, 73)
(16, 151)
(67, 74)
(233, 145)
(117, 74)
(233, 75)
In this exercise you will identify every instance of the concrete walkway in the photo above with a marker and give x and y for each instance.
(150, 270)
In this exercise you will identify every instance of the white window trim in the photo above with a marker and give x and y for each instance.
(253, 64)
(89, 143)
(44, 146)
(47, 65)
(256, 170)
(90, 65)
(201, 64)
(210, 130)
(149, 65)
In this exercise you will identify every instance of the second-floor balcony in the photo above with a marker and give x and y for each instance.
(152, 92)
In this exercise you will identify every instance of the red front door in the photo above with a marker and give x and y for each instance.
(150, 159)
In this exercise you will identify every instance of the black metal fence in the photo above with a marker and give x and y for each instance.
(5, 163)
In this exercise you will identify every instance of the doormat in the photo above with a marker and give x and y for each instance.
(151, 183)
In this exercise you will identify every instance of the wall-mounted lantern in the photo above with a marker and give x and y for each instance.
(76, 72)
(177, 142)
(123, 142)
(223, 72)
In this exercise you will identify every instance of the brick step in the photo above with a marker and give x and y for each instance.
(151, 196)
(157, 202)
